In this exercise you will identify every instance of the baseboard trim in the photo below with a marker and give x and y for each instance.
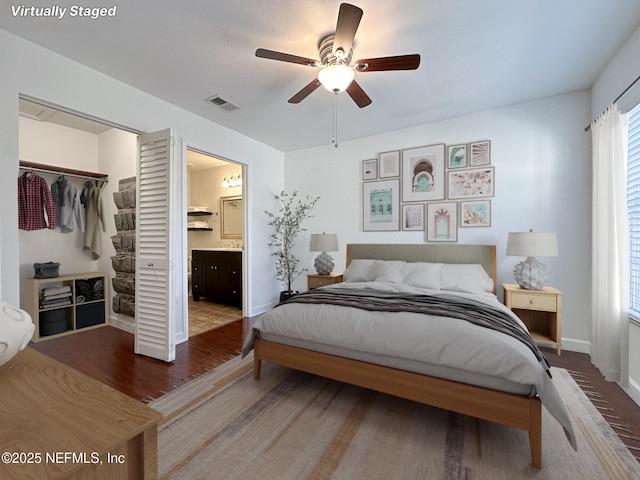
(117, 321)
(579, 346)
(633, 390)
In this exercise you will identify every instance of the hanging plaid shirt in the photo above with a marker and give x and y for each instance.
(34, 198)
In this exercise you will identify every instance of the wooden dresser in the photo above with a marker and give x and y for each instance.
(59, 423)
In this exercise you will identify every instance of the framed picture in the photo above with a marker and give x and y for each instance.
(389, 164)
(413, 217)
(381, 205)
(475, 213)
(457, 156)
(442, 222)
(423, 173)
(471, 183)
(480, 153)
(370, 169)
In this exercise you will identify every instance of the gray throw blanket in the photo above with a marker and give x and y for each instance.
(443, 305)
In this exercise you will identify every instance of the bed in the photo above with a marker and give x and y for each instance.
(358, 332)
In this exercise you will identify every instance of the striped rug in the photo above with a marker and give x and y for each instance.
(292, 425)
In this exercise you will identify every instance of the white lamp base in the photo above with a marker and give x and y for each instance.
(324, 264)
(531, 274)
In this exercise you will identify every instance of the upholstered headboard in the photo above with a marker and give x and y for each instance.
(484, 255)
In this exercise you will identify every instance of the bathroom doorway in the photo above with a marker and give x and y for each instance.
(215, 241)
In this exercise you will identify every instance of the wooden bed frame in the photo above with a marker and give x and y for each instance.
(508, 409)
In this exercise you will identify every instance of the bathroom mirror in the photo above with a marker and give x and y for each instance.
(231, 217)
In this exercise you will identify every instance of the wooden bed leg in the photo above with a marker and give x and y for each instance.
(257, 363)
(535, 432)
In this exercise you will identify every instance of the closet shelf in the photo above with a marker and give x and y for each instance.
(191, 229)
(41, 167)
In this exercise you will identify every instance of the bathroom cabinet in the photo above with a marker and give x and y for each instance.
(217, 275)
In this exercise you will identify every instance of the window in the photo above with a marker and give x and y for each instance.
(633, 205)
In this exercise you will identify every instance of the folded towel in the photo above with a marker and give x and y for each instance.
(56, 290)
(55, 303)
(59, 295)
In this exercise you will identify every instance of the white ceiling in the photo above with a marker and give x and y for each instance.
(476, 55)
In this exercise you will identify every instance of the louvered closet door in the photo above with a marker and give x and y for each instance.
(154, 333)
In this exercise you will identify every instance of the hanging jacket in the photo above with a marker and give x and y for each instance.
(65, 197)
(34, 199)
(93, 219)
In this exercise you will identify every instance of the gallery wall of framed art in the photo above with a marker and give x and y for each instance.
(434, 188)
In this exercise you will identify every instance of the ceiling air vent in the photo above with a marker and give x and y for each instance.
(221, 103)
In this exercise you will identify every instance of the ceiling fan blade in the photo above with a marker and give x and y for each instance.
(356, 92)
(348, 20)
(400, 62)
(285, 57)
(305, 92)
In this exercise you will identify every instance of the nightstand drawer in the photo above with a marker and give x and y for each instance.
(316, 282)
(535, 301)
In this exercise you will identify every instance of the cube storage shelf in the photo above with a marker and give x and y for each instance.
(53, 322)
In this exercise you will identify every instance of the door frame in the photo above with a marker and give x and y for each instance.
(245, 223)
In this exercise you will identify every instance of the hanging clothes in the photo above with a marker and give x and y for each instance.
(92, 199)
(34, 199)
(65, 197)
(84, 195)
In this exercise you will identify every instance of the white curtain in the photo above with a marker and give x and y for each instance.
(610, 247)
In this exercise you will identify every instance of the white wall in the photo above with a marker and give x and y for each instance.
(542, 160)
(206, 189)
(621, 71)
(58, 146)
(34, 71)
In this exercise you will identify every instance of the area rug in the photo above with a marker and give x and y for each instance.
(293, 425)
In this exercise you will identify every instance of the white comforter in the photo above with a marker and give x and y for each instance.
(439, 346)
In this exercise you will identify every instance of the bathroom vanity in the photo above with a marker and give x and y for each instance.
(217, 275)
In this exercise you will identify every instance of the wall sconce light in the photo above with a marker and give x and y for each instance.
(232, 181)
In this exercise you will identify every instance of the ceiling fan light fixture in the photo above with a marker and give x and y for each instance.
(336, 77)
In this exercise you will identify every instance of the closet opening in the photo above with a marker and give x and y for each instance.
(71, 142)
(215, 241)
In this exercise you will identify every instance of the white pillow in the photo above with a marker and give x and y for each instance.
(423, 275)
(389, 271)
(468, 278)
(361, 270)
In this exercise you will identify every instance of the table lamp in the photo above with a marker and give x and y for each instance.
(530, 273)
(324, 242)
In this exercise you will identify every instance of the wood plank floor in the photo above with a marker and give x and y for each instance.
(106, 354)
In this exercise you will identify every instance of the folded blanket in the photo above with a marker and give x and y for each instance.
(55, 290)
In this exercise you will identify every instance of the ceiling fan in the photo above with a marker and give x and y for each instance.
(335, 53)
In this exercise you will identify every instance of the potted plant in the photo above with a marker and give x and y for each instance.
(287, 225)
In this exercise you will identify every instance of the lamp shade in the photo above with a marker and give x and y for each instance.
(336, 78)
(323, 242)
(532, 244)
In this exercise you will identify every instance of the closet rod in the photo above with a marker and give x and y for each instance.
(588, 127)
(40, 167)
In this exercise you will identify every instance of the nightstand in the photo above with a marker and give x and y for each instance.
(540, 310)
(315, 280)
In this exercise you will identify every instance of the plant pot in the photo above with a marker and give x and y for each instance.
(284, 296)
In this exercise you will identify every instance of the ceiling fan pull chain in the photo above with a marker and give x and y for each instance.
(335, 119)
